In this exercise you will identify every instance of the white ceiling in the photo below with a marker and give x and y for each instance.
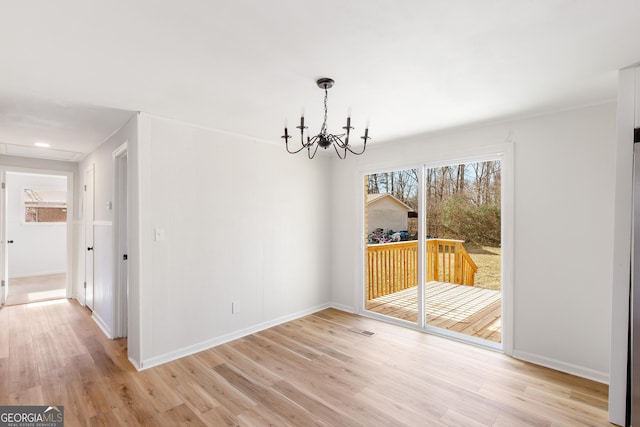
(71, 129)
(73, 71)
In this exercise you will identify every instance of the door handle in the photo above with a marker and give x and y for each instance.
(90, 248)
(9, 241)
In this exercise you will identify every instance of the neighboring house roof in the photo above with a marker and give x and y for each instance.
(374, 198)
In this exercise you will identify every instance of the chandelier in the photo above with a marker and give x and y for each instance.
(340, 142)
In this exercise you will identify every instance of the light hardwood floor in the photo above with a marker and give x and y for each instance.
(24, 290)
(324, 369)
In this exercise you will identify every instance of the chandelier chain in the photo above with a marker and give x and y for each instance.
(323, 129)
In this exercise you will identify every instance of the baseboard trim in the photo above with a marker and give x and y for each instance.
(102, 325)
(342, 307)
(204, 345)
(135, 363)
(569, 368)
(36, 274)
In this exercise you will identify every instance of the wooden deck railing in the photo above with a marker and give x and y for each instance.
(448, 261)
(392, 267)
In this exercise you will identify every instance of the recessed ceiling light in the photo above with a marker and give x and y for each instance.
(42, 144)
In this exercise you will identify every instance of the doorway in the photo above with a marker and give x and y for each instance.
(450, 281)
(36, 230)
(121, 229)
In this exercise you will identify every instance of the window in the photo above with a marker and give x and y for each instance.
(42, 205)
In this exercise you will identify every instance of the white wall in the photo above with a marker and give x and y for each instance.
(563, 223)
(104, 252)
(38, 248)
(243, 221)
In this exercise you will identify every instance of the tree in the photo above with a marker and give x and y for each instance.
(463, 200)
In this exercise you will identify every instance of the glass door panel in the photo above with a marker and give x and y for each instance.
(391, 244)
(463, 249)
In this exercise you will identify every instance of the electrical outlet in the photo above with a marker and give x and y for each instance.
(235, 307)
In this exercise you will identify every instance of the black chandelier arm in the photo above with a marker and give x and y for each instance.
(312, 140)
(365, 138)
(344, 145)
(343, 156)
(364, 147)
(286, 144)
(311, 156)
(337, 140)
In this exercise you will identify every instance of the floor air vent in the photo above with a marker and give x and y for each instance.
(361, 332)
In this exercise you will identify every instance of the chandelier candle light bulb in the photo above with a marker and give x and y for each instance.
(323, 139)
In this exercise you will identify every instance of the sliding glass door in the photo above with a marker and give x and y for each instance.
(461, 225)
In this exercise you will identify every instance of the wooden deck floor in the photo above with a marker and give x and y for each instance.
(466, 309)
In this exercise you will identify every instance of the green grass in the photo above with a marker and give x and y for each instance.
(487, 258)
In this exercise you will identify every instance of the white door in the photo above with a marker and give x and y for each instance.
(124, 233)
(120, 157)
(4, 265)
(88, 237)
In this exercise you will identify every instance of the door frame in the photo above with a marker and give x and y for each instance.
(4, 254)
(120, 230)
(85, 223)
(70, 219)
(504, 152)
